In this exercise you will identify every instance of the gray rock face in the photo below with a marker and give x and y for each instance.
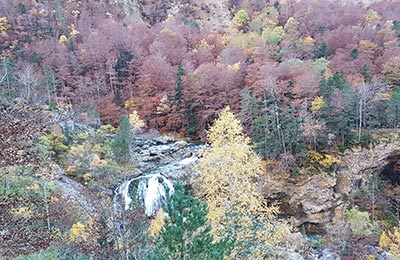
(74, 191)
(358, 166)
(166, 155)
(321, 200)
(294, 256)
(327, 254)
(309, 200)
(212, 14)
(313, 202)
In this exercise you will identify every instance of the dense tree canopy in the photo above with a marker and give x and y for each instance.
(307, 79)
(179, 72)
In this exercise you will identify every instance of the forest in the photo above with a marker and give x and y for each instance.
(276, 89)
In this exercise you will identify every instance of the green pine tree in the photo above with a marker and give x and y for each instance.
(249, 107)
(321, 50)
(266, 141)
(122, 140)
(179, 84)
(396, 28)
(365, 71)
(393, 109)
(340, 110)
(276, 130)
(118, 98)
(337, 81)
(50, 83)
(341, 119)
(185, 233)
(192, 123)
(8, 86)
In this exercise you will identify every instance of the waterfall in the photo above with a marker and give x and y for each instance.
(156, 194)
(151, 192)
(152, 187)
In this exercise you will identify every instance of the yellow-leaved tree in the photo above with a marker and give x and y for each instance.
(78, 232)
(136, 123)
(390, 240)
(157, 223)
(230, 172)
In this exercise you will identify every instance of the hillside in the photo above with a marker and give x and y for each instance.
(293, 103)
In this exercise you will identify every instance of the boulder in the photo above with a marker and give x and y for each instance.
(54, 129)
(309, 199)
(328, 254)
(164, 139)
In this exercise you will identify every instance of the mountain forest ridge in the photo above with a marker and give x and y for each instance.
(308, 81)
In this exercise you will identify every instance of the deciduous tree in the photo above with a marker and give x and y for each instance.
(229, 172)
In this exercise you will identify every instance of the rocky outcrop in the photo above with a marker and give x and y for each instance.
(309, 199)
(214, 14)
(132, 10)
(357, 166)
(166, 155)
(319, 202)
(75, 192)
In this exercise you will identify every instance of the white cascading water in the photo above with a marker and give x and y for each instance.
(152, 187)
(156, 194)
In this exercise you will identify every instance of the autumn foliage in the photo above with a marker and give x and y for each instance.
(304, 75)
(229, 172)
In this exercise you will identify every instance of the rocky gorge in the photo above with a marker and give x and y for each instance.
(313, 200)
(315, 204)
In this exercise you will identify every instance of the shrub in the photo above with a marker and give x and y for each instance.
(360, 223)
(53, 146)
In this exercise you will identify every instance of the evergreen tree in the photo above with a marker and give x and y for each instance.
(179, 84)
(396, 27)
(341, 115)
(365, 71)
(276, 130)
(393, 109)
(185, 233)
(321, 50)
(122, 64)
(266, 141)
(49, 81)
(59, 12)
(337, 81)
(249, 107)
(192, 123)
(8, 82)
(341, 106)
(379, 114)
(118, 98)
(354, 54)
(122, 140)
